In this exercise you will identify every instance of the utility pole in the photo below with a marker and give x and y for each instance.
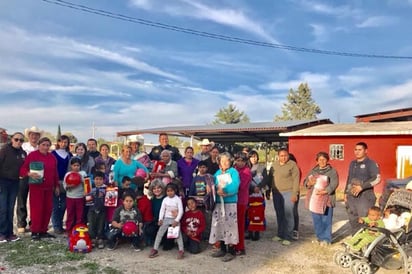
(93, 131)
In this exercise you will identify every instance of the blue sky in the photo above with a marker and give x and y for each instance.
(63, 66)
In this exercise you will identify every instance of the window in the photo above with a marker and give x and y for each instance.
(336, 152)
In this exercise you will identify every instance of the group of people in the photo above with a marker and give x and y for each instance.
(176, 194)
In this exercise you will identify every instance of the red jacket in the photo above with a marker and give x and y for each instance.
(245, 176)
(51, 176)
(145, 207)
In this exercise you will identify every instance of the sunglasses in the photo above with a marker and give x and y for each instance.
(18, 140)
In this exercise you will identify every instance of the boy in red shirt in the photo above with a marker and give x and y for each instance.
(193, 224)
(145, 207)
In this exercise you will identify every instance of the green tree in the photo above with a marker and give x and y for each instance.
(299, 106)
(59, 132)
(230, 115)
(72, 138)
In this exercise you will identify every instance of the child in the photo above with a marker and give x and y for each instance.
(97, 212)
(202, 183)
(145, 207)
(157, 192)
(170, 214)
(126, 186)
(74, 197)
(100, 166)
(193, 224)
(122, 215)
(366, 236)
(256, 214)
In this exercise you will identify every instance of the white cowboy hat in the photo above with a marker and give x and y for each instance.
(206, 142)
(33, 129)
(135, 139)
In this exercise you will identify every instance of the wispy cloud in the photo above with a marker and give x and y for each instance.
(319, 32)
(377, 21)
(235, 18)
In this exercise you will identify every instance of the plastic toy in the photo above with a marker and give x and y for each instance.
(73, 179)
(79, 240)
(129, 229)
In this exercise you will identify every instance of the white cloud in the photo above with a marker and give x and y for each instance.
(319, 32)
(235, 18)
(377, 21)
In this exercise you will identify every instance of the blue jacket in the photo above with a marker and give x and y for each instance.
(230, 188)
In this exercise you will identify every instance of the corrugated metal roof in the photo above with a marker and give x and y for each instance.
(229, 133)
(383, 128)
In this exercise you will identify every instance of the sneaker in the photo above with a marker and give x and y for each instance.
(240, 252)
(59, 231)
(180, 255)
(277, 239)
(136, 247)
(21, 230)
(228, 257)
(153, 253)
(112, 245)
(35, 236)
(13, 238)
(324, 243)
(285, 242)
(100, 244)
(219, 253)
(295, 235)
(47, 235)
(3, 239)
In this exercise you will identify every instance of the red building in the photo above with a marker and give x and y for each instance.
(389, 144)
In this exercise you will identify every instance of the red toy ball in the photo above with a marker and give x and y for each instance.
(140, 173)
(129, 228)
(73, 179)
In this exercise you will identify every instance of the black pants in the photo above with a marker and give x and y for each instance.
(96, 221)
(115, 234)
(191, 245)
(21, 209)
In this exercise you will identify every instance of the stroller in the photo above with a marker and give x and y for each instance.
(390, 250)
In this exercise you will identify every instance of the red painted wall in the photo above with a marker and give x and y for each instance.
(382, 149)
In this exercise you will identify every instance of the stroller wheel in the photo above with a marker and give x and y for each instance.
(363, 268)
(342, 259)
(353, 265)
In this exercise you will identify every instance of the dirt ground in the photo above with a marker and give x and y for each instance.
(263, 256)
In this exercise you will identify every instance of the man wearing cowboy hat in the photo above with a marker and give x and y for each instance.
(205, 146)
(33, 135)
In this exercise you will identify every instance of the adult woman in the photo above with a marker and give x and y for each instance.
(63, 156)
(43, 184)
(186, 166)
(212, 164)
(245, 176)
(105, 159)
(11, 159)
(87, 162)
(256, 169)
(170, 172)
(126, 166)
(224, 216)
(321, 183)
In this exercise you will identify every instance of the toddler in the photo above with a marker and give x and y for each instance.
(96, 215)
(193, 225)
(170, 214)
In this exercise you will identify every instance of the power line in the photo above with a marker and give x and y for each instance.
(233, 39)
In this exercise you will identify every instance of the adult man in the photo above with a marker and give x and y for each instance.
(164, 144)
(92, 148)
(33, 136)
(135, 143)
(362, 177)
(285, 190)
(205, 147)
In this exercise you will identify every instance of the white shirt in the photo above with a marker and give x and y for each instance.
(26, 146)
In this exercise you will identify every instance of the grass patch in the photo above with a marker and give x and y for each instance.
(111, 270)
(27, 253)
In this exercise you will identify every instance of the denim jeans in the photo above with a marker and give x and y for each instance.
(8, 194)
(286, 214)
(322, 224)
(59, 208)
(21, 209)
